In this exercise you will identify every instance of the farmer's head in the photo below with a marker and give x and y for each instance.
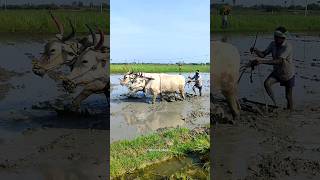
(280, 35)
(197, 72)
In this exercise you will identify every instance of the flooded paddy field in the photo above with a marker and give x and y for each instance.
(134, 116)
(36, 142)
(277, 144)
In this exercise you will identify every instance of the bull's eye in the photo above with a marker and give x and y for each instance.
(84, 61)
(52, 50)
(70, 54)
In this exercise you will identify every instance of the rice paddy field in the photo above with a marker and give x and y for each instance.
(158, 68)
(39, 21)
(262, 21)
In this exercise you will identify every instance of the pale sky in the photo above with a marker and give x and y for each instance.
(163, 31)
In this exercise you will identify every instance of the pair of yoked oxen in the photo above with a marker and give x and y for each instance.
(86, 58)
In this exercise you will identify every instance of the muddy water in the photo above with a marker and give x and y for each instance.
(37, 143)
(28, 89)
(131, 117)
(278, 145)
(175, 168)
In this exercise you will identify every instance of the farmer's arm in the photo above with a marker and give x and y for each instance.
(192, 77)
(264, 53)
(259, 53)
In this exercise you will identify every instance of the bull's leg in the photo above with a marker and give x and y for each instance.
(82, 96)
(154, 97)
(182, 93)
(233, 104)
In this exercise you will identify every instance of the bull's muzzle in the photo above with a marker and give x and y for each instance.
(38, 70)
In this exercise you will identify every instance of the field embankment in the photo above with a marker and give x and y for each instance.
(128, 156)
(262, 21)
(158, 68)
(39, 21)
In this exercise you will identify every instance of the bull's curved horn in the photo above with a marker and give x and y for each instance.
(101, 41)
(94, 39)
(72, 34)
(58, 24)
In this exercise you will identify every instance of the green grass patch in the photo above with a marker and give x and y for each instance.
(158, 68)
(128, 156)
(39, 21)
(258, 21)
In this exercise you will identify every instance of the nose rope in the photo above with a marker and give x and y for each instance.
(65, 62)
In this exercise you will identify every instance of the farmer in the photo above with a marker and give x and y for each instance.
(198, 82)
(224, 12)
(282, 62)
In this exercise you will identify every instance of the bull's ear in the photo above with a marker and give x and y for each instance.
(150, 78)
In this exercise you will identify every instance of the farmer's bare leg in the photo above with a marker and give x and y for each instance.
(267, 85)
(289, 98)
(200, 90)
(194, 90)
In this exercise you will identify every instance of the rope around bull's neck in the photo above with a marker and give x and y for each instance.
(91, 69)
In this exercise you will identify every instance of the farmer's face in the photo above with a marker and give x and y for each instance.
(279, 40)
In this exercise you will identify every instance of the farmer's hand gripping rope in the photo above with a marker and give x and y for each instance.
(251, 64)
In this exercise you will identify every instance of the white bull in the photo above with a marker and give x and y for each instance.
(162, 83)
(130, 76)
(225, 65)
(90, 71)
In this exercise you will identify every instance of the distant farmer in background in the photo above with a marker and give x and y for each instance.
(224, 12)
(282, 62)
(198, 82)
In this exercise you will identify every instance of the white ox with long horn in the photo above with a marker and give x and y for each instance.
(163, 83)
(90, 71)
(60, 51)
(225, 65)
(63, 50)
(130, 76)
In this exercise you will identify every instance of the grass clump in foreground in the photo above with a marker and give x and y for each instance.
(158, 68)
(39, 21)
(128, 156)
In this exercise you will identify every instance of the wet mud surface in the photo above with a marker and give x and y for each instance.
(36, 140)
(277, 144)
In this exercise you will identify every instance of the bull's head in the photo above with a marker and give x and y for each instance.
(127, 78)
(57, 52)
(90, 64)
(139, 83)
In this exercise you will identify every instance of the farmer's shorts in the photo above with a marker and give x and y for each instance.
(289, 83)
